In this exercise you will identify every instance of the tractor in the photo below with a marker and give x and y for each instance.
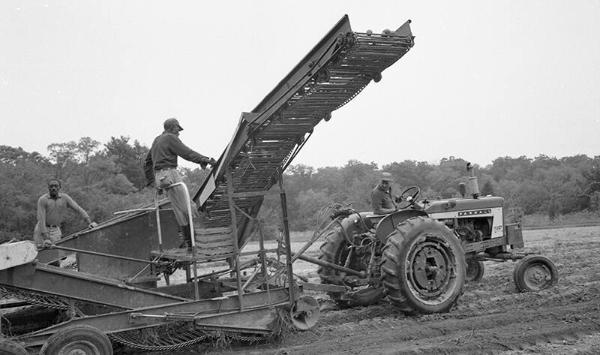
(420, 256)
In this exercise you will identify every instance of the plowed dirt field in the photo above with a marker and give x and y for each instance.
(490, 317)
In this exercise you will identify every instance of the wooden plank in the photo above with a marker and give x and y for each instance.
(217, 230)
(215, 244)
(215, 251)
(213, 239)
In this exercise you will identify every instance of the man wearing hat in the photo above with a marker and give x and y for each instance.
(161, 169)
(381, 196)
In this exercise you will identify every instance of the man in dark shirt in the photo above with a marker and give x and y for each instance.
(381, 196)
(51, 209)
(161, 169)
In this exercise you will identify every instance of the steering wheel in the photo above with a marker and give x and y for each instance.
(408, 197)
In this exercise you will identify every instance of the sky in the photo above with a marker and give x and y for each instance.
(485, 79)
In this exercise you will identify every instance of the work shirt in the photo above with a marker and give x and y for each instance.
(381, 200)
(164, 152)
(51, 212)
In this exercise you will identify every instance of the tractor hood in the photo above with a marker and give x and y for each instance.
(439, 206)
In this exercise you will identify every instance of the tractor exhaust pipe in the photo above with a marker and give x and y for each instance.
(473, 183)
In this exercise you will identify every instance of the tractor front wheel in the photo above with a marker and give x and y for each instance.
(423, 266)
(535, 273)
(475, 270)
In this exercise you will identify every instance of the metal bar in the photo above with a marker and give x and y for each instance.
(158, 226)
(242, 211)
(234, 235)
(263, 261)
(14, 304)
(82, 251)
(331, 265)
(316, 236)
(286, 237)
(134, 210)
(251, 194)
(296, 151)
(250, 279)
(82, 286)
(246, 253)
(192, 236)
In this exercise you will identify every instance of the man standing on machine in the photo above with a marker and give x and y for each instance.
(161, 169)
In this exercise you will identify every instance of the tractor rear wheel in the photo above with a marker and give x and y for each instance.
(423, 266)
(335, 250)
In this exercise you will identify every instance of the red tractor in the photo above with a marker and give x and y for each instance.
(421, 255)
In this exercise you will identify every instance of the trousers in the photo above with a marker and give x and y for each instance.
(176, 194)
(54, 234)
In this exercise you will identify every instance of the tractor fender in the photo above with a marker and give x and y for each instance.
(389, 223)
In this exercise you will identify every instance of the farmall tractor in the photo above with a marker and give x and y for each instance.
(420, 256)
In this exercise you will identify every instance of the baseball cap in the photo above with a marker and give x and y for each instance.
(172, 122)
(385, 176)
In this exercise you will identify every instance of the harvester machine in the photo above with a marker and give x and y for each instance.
(131, 286)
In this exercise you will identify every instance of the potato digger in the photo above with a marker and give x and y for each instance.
(132, 287)
(420, 256)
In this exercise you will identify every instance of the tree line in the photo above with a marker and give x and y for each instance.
(104, 178)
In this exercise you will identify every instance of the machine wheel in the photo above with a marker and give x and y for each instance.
(475, 270)
(535, 273)
(335, 250)
(423, 266)
(305, 313)
(81, 340)
(9, 347)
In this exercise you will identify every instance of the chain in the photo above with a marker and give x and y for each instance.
(36, 298)
(151, 339)
(175, 337)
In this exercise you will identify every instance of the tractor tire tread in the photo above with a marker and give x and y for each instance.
(407, 232)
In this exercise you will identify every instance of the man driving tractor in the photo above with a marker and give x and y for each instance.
(382, 200)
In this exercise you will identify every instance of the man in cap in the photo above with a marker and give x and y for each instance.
(51, 210)
(160, 168)
(381, 196)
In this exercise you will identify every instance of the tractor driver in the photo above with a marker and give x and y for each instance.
(381, 196)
